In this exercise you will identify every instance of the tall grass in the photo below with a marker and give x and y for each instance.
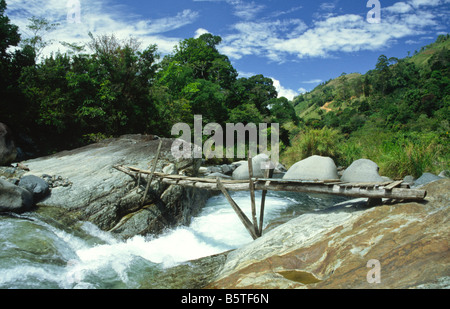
(321, 142)
(397, 154)
(412, 157)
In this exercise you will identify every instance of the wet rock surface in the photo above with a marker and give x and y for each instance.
(14, 198)
(331, 249)
(85, 184)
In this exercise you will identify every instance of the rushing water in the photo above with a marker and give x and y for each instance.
(37, 252)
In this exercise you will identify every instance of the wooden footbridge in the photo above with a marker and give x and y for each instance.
(396, 190)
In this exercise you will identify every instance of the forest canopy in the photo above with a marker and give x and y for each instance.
(110, 87)
(396, 114)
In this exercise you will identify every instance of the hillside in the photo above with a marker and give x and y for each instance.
(397, 113)
(309, 105)
(346, 90)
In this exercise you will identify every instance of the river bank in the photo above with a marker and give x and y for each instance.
(47, 249)
(93, 231)
(333, 249)
(86, 186)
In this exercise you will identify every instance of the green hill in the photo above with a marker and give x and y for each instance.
(330, 95)
(422, 57)
(396, 114)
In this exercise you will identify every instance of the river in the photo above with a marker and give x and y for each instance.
(38, 252)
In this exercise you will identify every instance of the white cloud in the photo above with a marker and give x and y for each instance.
(302, 90)
(313, 81)
(328, 6)
(412, 42)
(417, 3)
(330, 34)
(280, 13)
(246, 10)
(246, 74)
(162, 25)
(99, 17)
(256, 38)
(399, 7)
(284, 92)
(199, 32)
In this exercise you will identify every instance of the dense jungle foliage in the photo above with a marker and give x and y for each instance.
(396, 114)
(110, 87)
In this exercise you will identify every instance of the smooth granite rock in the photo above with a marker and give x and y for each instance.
(336, 249)
(313, 168)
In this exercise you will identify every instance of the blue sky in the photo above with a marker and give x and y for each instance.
(298, 44)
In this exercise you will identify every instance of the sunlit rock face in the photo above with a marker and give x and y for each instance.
(332, 249)
(89, 188)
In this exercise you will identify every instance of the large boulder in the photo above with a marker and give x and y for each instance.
(313, 168)
(14, 198)
(99, 193)
(338, 248)
(259, 162)
(36, 185)
(8, 151)
(362, 170)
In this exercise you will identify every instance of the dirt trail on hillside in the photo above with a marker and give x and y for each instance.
(326, 107)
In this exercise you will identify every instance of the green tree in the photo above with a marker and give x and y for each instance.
(383, 75)
(245, 113)
(9, 34)
(14, 110)
(201, 55)
(257, 90)
(39, 28)
(283, 113)
(207, 99)
(105, 93)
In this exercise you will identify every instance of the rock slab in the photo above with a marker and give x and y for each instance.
(425, 179)
(332, 249)
(112, 200)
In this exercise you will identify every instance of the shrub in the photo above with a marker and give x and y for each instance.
(321, 142)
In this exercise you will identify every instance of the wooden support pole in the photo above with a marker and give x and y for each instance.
(252, 192)
(150, 176)
(248, 225)
(138, 182)
(268, 174)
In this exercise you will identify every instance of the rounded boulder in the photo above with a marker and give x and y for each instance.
(37, 186)
(259, 163)
(14, 198)
(362, 170)
(313, 168)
